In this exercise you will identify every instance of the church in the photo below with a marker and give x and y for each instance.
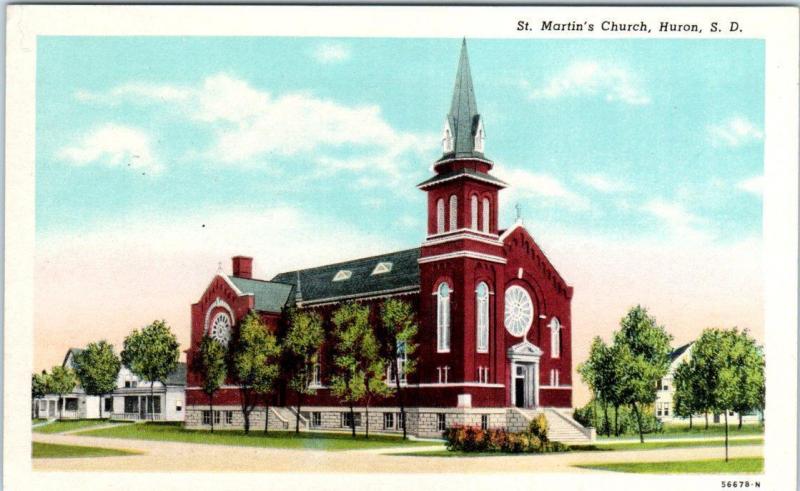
(495, 328)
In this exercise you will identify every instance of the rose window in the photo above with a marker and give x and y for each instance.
(519, 311)
(221, 328)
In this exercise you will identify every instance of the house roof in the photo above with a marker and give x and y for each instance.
(269, 296)
(72, 351)
(177, 376)
(465, 172)
(316, 285)
(677, 352)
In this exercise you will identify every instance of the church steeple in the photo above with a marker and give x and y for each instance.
(463, 132)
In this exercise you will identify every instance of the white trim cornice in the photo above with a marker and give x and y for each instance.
(469, 254)
(510, 230)
(501, 185)
(431, 241)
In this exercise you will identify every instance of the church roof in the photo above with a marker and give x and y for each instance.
(357, 278)
(269, 296)
(463, 116)
(465, 172)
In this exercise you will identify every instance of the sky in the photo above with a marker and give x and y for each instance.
(637, 165)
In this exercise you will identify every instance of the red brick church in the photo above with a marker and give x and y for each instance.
(495, 318)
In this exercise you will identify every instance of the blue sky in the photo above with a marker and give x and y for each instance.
(637, 165)
(622, 138)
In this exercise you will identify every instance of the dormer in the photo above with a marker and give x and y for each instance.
(479, 136)
(447, 137)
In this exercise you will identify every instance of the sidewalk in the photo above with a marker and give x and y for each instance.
(612, 441)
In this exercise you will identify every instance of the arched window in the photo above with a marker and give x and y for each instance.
(453, 212)
(555, 338)
(486, 215)
(440, 216)
(473, 211)
(482, 321)
(443, 318)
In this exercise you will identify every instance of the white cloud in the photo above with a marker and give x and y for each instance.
(545, 188)
(331, 53)
(114, 146)
(753, 185)
(251, 125)
(604, 184)
(734, 132)
(677, 219)
(592, 78)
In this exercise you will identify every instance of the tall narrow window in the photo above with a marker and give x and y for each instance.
(443, 318)
(482, 321)
(473, 211)
(453, 212)
(440, 216)
(555, 338)
(486, 215)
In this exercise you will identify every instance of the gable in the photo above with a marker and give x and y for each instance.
(517, 237)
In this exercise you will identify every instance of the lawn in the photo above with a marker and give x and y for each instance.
(697, 431)
(69, 425)
(667, 444)
(174, 432)
(750, 465)
(54, 451)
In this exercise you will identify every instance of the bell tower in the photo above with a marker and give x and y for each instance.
(462, 249)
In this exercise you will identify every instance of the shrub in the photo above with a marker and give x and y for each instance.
(626, 420)
(473, 439)
(538, 427)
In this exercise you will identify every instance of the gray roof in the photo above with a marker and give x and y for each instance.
(269, 296)
(316, 285)
(177, 376)
(679, 351)
(465, 172)
(72, 351)
(463, 115)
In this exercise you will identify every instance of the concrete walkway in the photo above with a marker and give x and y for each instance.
(679, 439)
(174, 456)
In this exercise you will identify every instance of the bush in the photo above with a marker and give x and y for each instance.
(473, 439)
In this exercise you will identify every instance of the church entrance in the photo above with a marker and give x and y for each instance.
(524, 380)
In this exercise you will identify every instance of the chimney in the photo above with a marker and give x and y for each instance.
(243, 266)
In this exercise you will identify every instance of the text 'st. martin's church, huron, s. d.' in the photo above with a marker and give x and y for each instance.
(495, 329)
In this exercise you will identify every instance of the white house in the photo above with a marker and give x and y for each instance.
(131, 400)
(665, 407)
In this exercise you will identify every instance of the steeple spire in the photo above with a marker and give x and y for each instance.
(463, 134)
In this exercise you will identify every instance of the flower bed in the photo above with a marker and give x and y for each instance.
(474, 439)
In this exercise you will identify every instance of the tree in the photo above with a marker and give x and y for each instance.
(642, 349)
(151, 354)
(398, 328)
(301, 345)
(600, 373)
(685, 400)
(38, 389)
(97, 367)
(61, 381)
(253, 362)
(210, 364)
(355, 351)
(751, 387)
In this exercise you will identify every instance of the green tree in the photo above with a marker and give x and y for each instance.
(97, 367)
(151, 354)
(685, 399)
(61, 381)
(301, 346)
(38, 389)
(751, 388)
(641, 349)
(209, 362)
(253, 356)
(398, 328)
(355, 353)
(599, 373)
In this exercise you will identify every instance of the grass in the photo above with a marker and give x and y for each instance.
(697, 431)
(55, 451)
(652, 445)
(174, 432)
(750, 465)
(69, 425)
